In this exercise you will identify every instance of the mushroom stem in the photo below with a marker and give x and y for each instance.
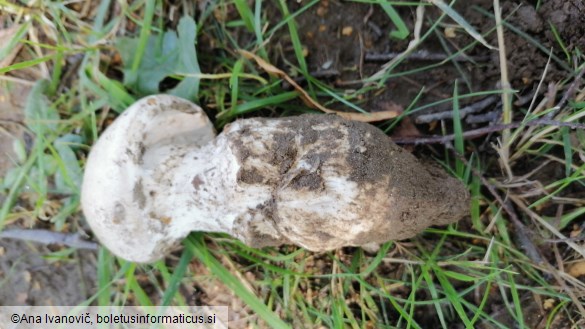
(318, 181)
(199, 190)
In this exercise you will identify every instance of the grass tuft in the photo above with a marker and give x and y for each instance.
(86, 62)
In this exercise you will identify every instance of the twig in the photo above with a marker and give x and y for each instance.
(491, 116)
(473, 108)
(49, 237)
(423, 55)
(485, 130)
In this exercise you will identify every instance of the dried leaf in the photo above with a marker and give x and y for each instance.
(406, 129)
(363, 117)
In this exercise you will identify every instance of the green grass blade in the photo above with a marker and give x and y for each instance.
(245, 13)
(378, 259)
(142, 43)
(435, 295)
(178, 275)
(453, 296)
(120, 98)
(296, 42)
(519, 316)
(104, 276)
(401, 31)
(132, 285)
(258, 29)
(15, 189)
(16, 38)
(458, 131)
(570, 217)
(25, 64)
(258, 103)
(195, 243)
(461, 21)
(567, 148)
(234, 82)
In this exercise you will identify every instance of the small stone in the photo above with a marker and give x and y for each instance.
(347, 31)
(450, 32)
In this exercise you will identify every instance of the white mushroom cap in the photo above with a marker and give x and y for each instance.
(318, 181)
(118, 170)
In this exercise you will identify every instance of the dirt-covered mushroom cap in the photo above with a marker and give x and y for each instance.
(318, 181)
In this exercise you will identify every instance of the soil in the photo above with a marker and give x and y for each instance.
(30, 276)
(568, 19)
(339, 35)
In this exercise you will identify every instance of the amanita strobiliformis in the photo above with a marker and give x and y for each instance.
(318, 181)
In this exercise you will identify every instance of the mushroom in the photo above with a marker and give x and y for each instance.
(317, 181)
